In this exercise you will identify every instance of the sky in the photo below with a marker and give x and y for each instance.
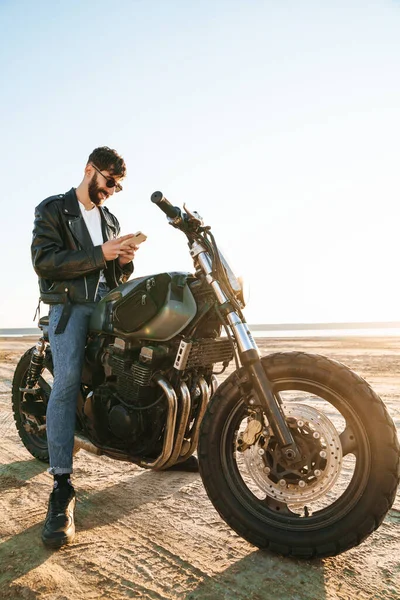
(278, 121)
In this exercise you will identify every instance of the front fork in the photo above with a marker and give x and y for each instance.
(250, 358)
(261, 385)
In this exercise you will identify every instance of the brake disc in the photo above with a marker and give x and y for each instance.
(321, 450)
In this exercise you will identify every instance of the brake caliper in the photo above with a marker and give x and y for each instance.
(251, 434)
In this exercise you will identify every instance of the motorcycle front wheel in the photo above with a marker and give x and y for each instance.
(344, 484)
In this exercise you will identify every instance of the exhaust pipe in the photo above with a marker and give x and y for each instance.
(82, 443)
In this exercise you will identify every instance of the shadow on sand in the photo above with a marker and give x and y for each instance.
(262, 575)
(16, 474)
(258, 576)
(24, 551)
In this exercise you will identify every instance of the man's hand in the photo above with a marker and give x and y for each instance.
(127, 253)
(112, 249)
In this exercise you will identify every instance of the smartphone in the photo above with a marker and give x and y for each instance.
(135, 240)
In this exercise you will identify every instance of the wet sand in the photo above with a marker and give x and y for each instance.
(142, 534)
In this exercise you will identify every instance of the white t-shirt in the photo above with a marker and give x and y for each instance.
(93, 223)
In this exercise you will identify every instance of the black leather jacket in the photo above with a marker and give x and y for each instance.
(63, 255)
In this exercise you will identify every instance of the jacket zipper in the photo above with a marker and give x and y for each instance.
(97, 287)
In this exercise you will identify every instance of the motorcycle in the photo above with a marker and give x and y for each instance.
(296, 452)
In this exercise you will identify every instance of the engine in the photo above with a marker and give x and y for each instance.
(132, 377)
(127, 410)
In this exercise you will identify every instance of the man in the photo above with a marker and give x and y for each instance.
(77, 254)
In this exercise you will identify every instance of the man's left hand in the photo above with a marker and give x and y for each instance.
(126, 255)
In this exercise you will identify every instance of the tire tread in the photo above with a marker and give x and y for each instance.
(333, 370)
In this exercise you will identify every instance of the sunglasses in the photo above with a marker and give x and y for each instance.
(110, 181)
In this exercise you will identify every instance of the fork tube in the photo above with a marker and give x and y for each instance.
(269, 404)
(250, 358)
(242, 333)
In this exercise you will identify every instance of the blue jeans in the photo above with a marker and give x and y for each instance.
(68, 351)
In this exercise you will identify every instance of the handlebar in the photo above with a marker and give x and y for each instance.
(171, 211)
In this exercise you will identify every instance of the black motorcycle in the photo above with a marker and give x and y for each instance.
(297, 453)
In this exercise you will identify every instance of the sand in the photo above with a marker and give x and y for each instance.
(142, 534)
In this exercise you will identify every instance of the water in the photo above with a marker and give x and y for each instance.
(356, 332)
(19, 332)
(257, 332)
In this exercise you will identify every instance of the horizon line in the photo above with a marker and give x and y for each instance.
(275, 326)
(327, 325)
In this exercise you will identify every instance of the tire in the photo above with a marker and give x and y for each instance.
(245, 491)
(36, 444)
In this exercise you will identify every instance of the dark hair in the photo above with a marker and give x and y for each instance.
(107, 159)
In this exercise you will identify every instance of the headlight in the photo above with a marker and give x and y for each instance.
(245, 293)
(235, 283)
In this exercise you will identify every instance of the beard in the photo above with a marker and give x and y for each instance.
(94, 191)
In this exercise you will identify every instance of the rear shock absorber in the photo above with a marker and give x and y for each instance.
(36, 366)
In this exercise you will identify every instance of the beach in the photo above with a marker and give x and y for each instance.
(142, 534)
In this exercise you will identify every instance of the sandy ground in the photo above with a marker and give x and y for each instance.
(142, 534)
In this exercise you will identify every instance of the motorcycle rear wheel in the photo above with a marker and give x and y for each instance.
(314, 512)
(35, 443)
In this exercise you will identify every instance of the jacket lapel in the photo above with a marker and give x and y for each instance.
(107, 225)
(76, 222)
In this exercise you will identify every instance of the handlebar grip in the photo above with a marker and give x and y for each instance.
(171, 211)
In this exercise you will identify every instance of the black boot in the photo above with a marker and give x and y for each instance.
(59, 527)
(190, 465)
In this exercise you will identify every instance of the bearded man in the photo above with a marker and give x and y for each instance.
(77, 254)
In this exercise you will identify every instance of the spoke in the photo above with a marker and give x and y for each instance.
(348, 441)
(278, 506)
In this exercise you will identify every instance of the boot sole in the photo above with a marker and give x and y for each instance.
(56, 543)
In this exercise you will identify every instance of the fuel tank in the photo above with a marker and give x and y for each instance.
(155, 307)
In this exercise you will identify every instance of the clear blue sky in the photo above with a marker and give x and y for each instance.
(277, 120)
